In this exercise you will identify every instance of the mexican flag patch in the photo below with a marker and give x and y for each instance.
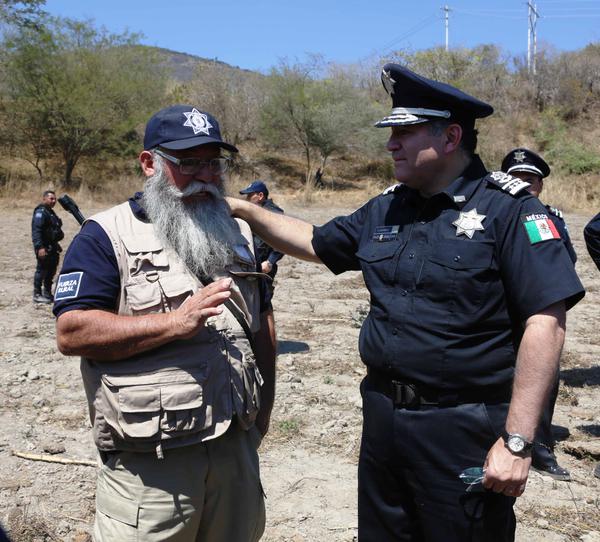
(539, 228)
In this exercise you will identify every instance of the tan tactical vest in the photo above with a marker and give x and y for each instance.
(185, 391)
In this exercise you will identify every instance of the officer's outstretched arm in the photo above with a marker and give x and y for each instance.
(103, 335)
(537, 364)
(284, 233)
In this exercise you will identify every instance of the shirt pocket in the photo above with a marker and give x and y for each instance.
(156, 406)
(377, 262)
(458, 274)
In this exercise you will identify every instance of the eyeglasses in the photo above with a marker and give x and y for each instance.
(193, 166)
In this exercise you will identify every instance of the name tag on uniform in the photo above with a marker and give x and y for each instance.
(385, 233)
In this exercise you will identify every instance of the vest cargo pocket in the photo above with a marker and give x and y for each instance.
(156, 406)
(153, 293)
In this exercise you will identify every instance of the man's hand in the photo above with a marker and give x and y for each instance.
(505, 472)
(207, 302)
(266, 266)
(42, 253)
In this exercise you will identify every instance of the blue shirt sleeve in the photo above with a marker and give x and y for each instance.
(89, 278)
(37, 228)
(336, 242)
(536, 274)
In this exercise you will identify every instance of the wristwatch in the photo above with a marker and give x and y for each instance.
(517, 444)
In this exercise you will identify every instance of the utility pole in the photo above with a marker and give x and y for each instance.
(532, 17)
(446, 10)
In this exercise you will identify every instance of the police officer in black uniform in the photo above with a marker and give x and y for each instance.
(465, 327)
(533, 169)
(46, 232)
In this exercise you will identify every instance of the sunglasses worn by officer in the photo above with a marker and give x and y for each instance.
(193, 166)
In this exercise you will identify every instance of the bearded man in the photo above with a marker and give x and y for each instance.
(161, 298)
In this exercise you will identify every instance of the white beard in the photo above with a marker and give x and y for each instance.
(201, 232)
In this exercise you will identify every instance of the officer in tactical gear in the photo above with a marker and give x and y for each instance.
(46, 232)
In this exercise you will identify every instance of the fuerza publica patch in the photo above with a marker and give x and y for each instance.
(68, 285)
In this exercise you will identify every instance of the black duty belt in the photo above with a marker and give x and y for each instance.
(414, 396)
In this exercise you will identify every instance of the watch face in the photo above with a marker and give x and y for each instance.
(515, 444)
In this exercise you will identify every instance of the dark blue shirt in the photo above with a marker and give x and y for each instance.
(91, 267)
(447, 310)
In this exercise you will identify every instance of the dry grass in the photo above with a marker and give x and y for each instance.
(349, 180)
(26, 527)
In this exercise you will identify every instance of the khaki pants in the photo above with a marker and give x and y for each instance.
(208, 492)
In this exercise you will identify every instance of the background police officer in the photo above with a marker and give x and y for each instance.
(46, 232)
(258, 193)
(533, 169)
(463, 338)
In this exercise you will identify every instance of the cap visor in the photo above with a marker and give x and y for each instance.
(181, 144)
(525, 167)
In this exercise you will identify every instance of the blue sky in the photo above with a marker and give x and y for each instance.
(256, 34)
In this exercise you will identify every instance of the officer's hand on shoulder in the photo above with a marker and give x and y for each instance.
(206, 302)
(266, 266)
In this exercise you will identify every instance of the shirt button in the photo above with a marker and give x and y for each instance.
(395, 331)
(404, 292)
(411, 255)
(457, 258)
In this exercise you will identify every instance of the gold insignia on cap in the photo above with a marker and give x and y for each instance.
(388, 82)
(468, 223)
(519, 156)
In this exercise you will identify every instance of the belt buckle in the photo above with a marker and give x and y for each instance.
(405, 395)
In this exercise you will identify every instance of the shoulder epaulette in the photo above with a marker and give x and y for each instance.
(506, 182)
(391, 189)
(555, 211)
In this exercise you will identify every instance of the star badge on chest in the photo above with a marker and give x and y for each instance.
(468, 223)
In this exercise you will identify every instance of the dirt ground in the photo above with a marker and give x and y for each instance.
(309, 458)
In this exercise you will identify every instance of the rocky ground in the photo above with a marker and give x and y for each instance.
(309, 458)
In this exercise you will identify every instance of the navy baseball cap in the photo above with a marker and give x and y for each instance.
(416, 99)
(256, 186)
(522, 159)
(182, 127)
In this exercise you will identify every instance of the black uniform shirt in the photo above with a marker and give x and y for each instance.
(591, 234)
(557, 217)
(446, 309)
(46, 228)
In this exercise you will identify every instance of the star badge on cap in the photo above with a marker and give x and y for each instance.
(468, 223)
(197, 121)
(519, 156)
